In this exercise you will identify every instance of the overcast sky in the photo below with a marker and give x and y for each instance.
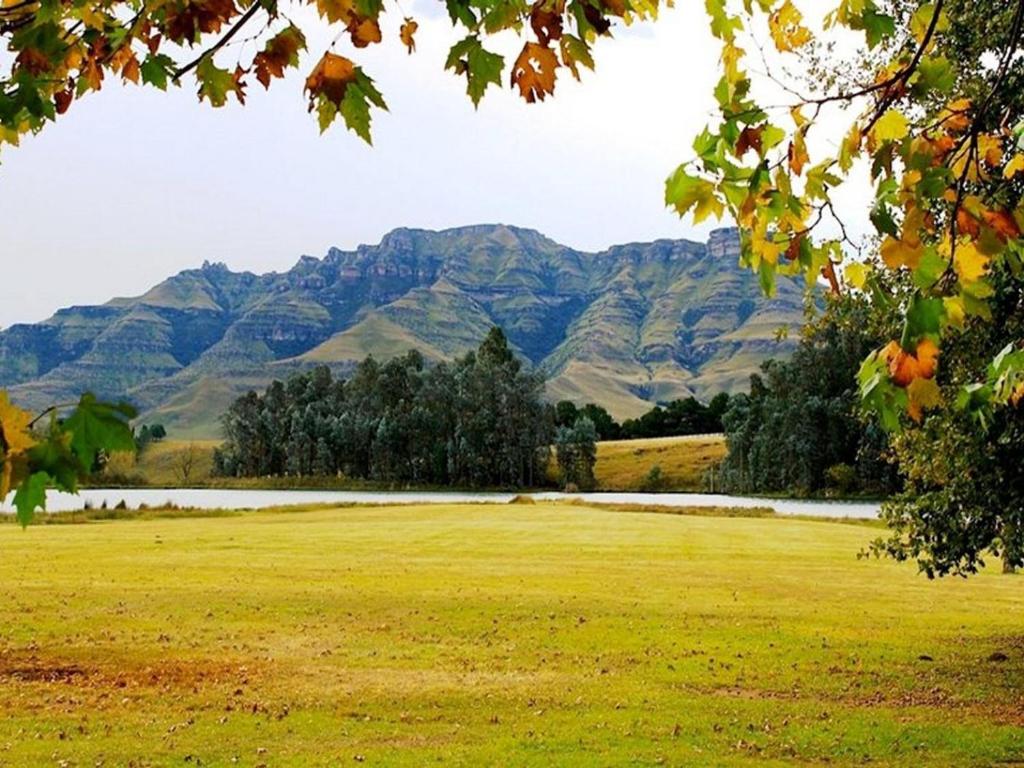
(133, 185)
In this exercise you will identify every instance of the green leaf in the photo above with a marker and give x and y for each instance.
(460, 12)
(934, 73)
(924, 319)
(877, 26)
(481, 67)
(155, 70)
(96, 426)
(214, 83)
(30, 496)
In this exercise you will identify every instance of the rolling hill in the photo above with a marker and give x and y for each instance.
(626, 327)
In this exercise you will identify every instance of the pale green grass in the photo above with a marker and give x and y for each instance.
(484, 635)
(623, 465)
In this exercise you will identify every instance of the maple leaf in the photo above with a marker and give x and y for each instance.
(215, 83)
(575, 52)
(797, 154)
(15, 434)
(970, 263)
(1015, 166)
(901, 253)
(1003, 224)
(750, 138)
(905, 367)
(335, 10)
(330, 78)
(891, 126)
(922, 393)
(364, 31)
(546, 20)
(407, 34)
(185, 22)
(281, 51)
(786, 28)
(62, 99)
(534, 72)
(481, 67)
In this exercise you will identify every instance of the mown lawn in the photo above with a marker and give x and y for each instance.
(485, 635)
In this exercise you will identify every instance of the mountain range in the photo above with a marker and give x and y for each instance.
(626, 327)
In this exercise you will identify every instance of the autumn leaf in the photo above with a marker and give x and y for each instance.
(797, 153)
(330, 79)
(786, 28)
(898, 253)
(685, 193)
(1015, 166)
(15, 435)
(856, 274)
(364, 31)
(905, 367)
(575, 52)
(750, 138)
(546, 20)
(1003, 224)
(280, 52)
(970, 263)
(922, 393)
(408, 34)
(336, 10)
(891, 126)
(534, 72)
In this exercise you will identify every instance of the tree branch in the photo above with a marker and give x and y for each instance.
(246, 17)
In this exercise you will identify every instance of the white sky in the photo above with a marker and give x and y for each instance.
(133, 185)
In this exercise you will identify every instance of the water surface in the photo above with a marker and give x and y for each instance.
(217, 498)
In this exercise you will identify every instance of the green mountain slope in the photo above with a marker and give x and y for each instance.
(626, 327)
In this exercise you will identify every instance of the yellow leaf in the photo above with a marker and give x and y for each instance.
(955, 311)
(856, 274)
(970, 263)
(786, 28)
(707, 205)
(922, 393)
(900, 253)
(15, 435)
(1015, 166)
(891, 126)
(990, 149)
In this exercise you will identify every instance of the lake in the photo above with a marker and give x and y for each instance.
(216, 498)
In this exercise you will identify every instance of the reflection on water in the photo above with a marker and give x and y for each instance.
(214, 498)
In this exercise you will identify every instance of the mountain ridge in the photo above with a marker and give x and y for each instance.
(625, 327)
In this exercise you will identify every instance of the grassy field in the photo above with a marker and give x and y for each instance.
(480, 635)
(161, 463)
(622, 465)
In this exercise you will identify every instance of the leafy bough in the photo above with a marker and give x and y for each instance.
(57, 449)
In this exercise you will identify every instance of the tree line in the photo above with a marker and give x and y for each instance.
(800, 430)
(477, 421)
(685, 416)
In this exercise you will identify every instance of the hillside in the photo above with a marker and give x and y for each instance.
(626, 327)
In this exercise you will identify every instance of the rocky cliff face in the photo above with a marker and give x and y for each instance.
(626, 327)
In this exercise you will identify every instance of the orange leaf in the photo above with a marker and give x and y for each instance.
(408, 32)
(331, 78)
(905, 367)
(534, 72)
(364, 31)
(1003, 223)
